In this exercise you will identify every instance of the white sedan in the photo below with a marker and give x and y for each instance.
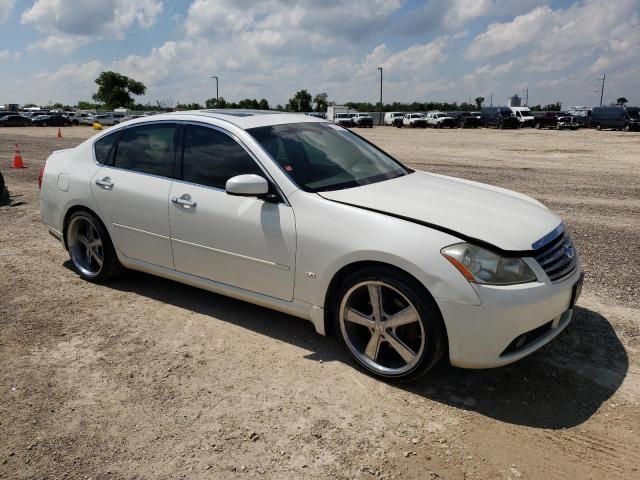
(305, 217)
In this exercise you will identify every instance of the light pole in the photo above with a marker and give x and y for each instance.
(380, 119)
(216, 77)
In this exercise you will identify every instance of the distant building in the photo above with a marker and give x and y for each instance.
(514, 101)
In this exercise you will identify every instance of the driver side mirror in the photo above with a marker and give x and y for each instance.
(249, 185)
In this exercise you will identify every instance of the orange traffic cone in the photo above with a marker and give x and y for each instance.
(17, 159)
(59, 133)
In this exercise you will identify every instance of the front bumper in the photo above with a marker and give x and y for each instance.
(511, 323)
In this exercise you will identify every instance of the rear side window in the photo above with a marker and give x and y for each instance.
(211, 157)
(147, 149)
(102, 147)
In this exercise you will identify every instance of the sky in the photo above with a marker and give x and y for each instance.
(430, 50)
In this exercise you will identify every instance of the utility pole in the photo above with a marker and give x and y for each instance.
(491, 99)
(216, 77)
(526, 102)
(601, 85)
(380, 119)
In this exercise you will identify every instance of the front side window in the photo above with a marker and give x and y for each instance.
(103, 146)
(321, 156)
(211, 157)
(147, 149)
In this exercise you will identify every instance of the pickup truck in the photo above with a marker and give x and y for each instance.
(440, 120)
(343, 119)
(362, 120)
(413, 120)
(545, 119)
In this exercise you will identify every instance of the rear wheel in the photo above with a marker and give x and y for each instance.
(389, 324)
(90, 248)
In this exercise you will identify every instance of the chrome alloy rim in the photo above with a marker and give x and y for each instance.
(382, 328)
(85, 246)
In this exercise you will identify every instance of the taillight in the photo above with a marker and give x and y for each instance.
(40, 175)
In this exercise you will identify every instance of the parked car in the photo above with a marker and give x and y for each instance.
(73, 116)
(51, 120)
(465, 119)
(499, 117)
(292, 213)
(414, 120)
(524, 115)
(362, 120)
(545, 119)
(106, 119)
(343, 119)
(393, 118)
(440, 120)
(616, 118)
(86, 118)
(14, 120)
(567, 122)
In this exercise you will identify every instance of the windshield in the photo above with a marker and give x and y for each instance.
(506, 112)
(322, 156)
(634, 112)
(398, 115)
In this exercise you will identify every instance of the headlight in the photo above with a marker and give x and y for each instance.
(482, 266)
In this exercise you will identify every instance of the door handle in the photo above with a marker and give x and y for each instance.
(105, 183)
(184, 200)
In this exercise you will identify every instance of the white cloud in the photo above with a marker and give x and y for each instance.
(68, 27)
(504, 37)
(487, 74)
(4, 54)
(6, 7)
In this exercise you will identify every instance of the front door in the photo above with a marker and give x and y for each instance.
(245, 242)
(132, 194)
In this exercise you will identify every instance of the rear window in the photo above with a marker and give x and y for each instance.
(102, 147)
(147, 149)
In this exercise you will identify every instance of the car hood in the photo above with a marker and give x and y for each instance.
(507, 220)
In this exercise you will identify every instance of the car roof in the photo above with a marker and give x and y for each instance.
(244, 118)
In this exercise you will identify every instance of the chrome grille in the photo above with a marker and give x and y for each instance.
(558, 257)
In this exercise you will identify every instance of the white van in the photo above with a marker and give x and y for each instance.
(524, 116)
(392, 118)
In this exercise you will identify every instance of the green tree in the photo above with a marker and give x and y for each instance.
(189, 106)
(552, 107)
(320, 101)
(621, 101)
(479, 101)
(263, 104)
(116, 90)
(300, 102)
(215, 103)
(84, 105)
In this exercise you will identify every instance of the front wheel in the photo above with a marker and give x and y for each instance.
(389, 324)
(90, 248)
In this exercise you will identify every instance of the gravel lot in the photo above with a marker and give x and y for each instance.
(149, 379)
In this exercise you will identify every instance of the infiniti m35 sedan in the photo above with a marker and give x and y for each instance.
(303, 216)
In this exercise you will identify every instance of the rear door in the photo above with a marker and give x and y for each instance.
(131, 190)
(245, 242)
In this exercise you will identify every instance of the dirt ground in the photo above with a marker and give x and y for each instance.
(149, 379)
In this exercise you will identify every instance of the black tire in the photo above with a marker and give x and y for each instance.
(434, 340)
(44, 124)
(111, 266)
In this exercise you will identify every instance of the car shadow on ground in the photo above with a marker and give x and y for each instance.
(559, 386)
